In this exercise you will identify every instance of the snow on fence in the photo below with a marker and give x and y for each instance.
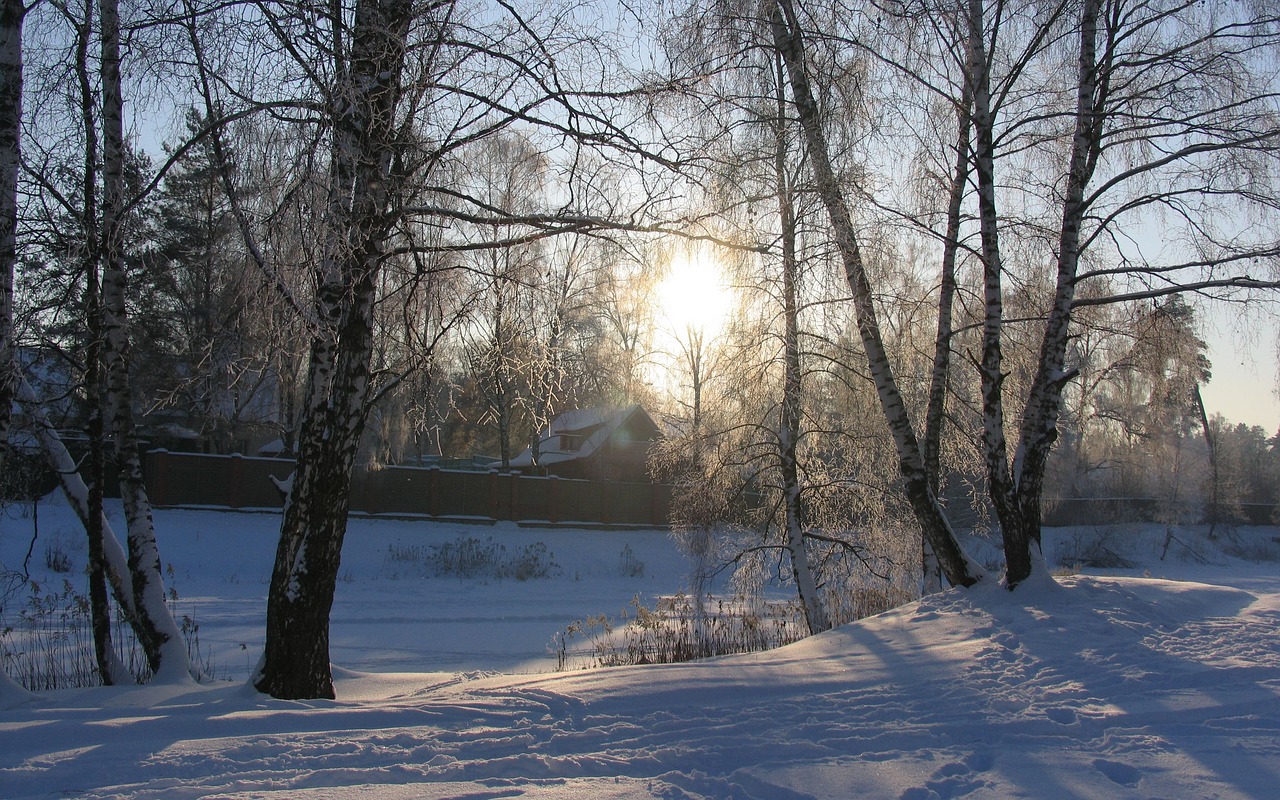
(194, 479)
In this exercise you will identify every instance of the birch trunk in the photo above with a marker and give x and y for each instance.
(115, 563)
(792, 410)
(1039, 428)
(935, 413)
(1000, 486)
(109, 669)
(157, 632)
(11, 16)
(295, 661)
(95, 467)
(956, 565)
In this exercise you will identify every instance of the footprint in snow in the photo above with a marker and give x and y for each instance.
(1062, 716)
(1122, 774)
(954, 779)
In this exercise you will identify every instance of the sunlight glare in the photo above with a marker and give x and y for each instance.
(693, 296)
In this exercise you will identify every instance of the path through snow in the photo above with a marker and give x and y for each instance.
(1104, 688)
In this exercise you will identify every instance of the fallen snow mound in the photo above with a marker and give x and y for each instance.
(1098, 688)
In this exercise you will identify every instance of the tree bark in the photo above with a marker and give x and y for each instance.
(114, 560)
(935, 413)
(295, 661)
(792, 398)
(157, 632)
(957, 566)
(110, 670)
(1000, 485)
(1039, 427)
(11, 17)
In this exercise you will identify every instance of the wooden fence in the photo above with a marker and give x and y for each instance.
(192, 479)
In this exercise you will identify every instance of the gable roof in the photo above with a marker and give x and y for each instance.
(595, 425)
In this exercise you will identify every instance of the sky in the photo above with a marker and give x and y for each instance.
(1245, 365)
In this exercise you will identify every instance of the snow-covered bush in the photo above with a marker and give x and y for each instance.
(1251, 546)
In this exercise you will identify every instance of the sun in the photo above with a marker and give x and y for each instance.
(694, 297)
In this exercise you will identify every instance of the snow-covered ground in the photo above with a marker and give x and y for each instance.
(1161, 680)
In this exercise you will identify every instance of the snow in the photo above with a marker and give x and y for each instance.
(1158, 681)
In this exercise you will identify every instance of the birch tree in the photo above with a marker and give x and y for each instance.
(1134, 62)
(1143, 126)
(157, 632)
(81, 101)
(11, 16)
(395, 94)
(788, 39)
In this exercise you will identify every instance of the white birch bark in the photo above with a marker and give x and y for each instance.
(957, 566)
(11, 16)
(792, 397)
(1039, 428)
(157, 632)
(115, 561)
(935, 413)
(1000, 486)
(366, 97)
(1016, 490)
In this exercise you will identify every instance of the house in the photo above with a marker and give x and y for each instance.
(596, 444)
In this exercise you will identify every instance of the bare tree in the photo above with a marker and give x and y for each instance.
(1138, 129)
(789, 41)
(12, 13)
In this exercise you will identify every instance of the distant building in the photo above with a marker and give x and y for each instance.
(596, 444)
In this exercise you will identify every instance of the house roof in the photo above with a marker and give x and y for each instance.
(595, 425)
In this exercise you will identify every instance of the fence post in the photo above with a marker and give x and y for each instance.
(493, 494)
(157, 476)
(234, 480)
(433, 491)
(513, 491)
(553, 498)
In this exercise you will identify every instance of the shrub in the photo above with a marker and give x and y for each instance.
(471, 557)
(673, 632)
(48, 643)
(628, 565)
(1251, 548)
(1099, 547)
(56, 557)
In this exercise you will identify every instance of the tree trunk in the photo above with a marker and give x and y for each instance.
(1000, 485)
(957, 566)
(157, 633)
(95, 467)
(11, 16)
(295, 662)
(935, 414)
(115, 564)
(110, 670)
(1039, 428)
(790, 424)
